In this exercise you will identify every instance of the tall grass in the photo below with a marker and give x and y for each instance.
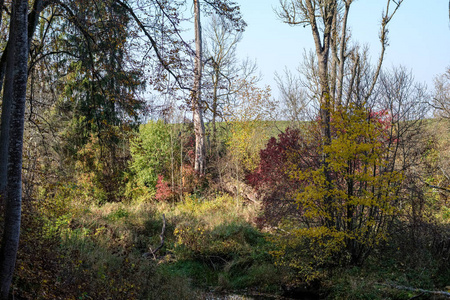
(208, 242)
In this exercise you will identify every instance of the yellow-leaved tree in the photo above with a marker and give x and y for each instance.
(348, 196)
(248, 123)
(363, 189)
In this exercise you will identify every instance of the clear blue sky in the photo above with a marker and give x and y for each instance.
(419, 37)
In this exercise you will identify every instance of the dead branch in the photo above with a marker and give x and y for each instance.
(161, 236)
(237, 187)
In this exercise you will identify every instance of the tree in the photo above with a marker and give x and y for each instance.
(172, 57)
(17, 61)
(346, 193)
(6, 86)
(441, 105)
(293, 97)
(441, 100)
(227, 10)
(151, 153)
(328, 22)
(199, 127)
(100, 92)
(13, 72)
(220, 50)
(247, 122)
(88, 53)
(224, 74)
(406, 103)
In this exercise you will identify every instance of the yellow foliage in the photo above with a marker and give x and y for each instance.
(346, 202)
(245, 142)
(248, 124)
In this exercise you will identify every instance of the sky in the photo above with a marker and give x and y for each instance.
(419, 37)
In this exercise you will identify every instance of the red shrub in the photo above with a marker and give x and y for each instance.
(163, 190)
(272, 179)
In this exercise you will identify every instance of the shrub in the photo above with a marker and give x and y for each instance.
(344, 191)
(100, 167)
(163, 191)
(151, 151)
(273, 179)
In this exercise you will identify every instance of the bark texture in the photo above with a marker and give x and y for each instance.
(6, 76)
(6, 68)
(18, 59)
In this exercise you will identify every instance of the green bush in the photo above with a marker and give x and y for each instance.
(150, 152)
(154, 152)
(225, 241)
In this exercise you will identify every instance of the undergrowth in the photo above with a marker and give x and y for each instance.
(97, 252)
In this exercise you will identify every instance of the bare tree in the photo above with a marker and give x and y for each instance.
(221, 54)
(225, 10)
(224, 73)
(293, 96)
(441, 106)
(441, 100)
(328, 20)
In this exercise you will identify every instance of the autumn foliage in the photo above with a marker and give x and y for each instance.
(344, 217)
(272, 179)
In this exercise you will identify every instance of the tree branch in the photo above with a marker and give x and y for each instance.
(154, 45)
(161, 236)
(383, 39)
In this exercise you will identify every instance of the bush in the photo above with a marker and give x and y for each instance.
(163, 190)
(273, 177)
(312, 253)
(151, 151)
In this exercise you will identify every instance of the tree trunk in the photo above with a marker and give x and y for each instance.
(214, 104)
(19, 58)
(6, 75)
(6, 68)
(326, 102)
(199, 127)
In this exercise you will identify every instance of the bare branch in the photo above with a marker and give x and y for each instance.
(154, 45)
(161, 236)
(387, 17)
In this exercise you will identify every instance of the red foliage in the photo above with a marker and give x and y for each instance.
(295, 150)
(384, 120)
(272, 179)
(163, 190)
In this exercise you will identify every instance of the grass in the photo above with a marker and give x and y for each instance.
(98, 251)
(210, 244)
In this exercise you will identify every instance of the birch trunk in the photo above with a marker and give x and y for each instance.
(7, 68)
(6, 75)
(18, 60)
